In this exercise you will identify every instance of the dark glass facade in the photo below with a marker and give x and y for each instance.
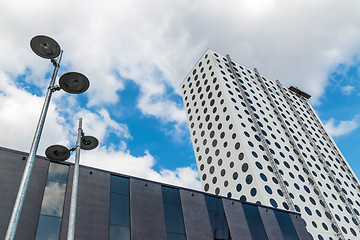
(219, 225)
(286, 225)
(52, 203)
(173, 214)
(254, 221)
(119, 208)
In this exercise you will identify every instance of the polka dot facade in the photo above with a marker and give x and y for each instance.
(250, 145)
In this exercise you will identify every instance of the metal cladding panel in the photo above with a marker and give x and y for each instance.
(271, 225)
(236, 220)
(146, 210)
(196, 218)
(299, 225)
(32, 204)
(11, 170)
(65, 217)
(92, 215)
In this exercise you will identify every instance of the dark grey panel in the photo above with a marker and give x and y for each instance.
(271, 225)
(33, 200)
(146, 210)
(65, 217)
(236, 220)
(196, 218)
(299, 225)
(92, 216)
(11, 170)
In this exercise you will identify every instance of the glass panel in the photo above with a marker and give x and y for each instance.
(119, 185)
(58, 172)
(173, 218)
(214, 204)
(217, 217)
(48, 228)
(286, 225)
(119, 232)
(254, 221)
(170, 195)
(174, 221)
(119, 209)
(175, 236)
(53, 200)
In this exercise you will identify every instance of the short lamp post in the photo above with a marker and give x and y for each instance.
(71, 82)
(62, 153)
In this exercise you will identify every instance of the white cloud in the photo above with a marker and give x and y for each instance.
(298, 42)
(347, 90)
(19, 116)
(338, 128)
(139, 166)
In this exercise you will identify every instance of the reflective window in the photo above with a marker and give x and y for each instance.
(119, 208)
(254, 221)
(53, 202)
(219, 225)
(173, 214)
(286, 225)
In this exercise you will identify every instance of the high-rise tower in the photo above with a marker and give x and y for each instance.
(256, 141)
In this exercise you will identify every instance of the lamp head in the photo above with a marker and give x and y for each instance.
(88, 143)
(45, 47)
(57, 153)
(74, 82)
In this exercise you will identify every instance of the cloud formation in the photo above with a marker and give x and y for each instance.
(120, 161)
(338, 128)
(156, 43)
(347, 90)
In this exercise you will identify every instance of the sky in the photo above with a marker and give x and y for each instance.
(137, 52)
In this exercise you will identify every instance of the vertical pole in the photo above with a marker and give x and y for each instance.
(15, 216)
(72, 215)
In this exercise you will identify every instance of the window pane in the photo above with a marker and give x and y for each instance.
(48, 228)
(254, 221)
(53, 200)
(173, 218)
(119, 209)
(175, 236)
(119, 185)
(286, 225)
(217, 217)
(119, 232)
(58, 172)
(214, 204)
(174, 221)
(170, 195)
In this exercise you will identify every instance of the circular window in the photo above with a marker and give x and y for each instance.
(268, 189)
(249, 179)
(253, 192)
(238, 187)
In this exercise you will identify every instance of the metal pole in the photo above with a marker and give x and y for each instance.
(72, 215)
(15, 216)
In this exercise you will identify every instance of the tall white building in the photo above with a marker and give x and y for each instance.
(257, 141)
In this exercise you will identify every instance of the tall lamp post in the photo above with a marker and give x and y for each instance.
(72, 82)
(61, 153)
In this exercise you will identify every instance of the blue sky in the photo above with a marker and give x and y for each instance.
(136, 53)
(340, 110)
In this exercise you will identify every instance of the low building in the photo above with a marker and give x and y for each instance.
(115, 206)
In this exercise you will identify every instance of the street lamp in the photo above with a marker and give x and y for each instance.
(73, 82)
(60, 153)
